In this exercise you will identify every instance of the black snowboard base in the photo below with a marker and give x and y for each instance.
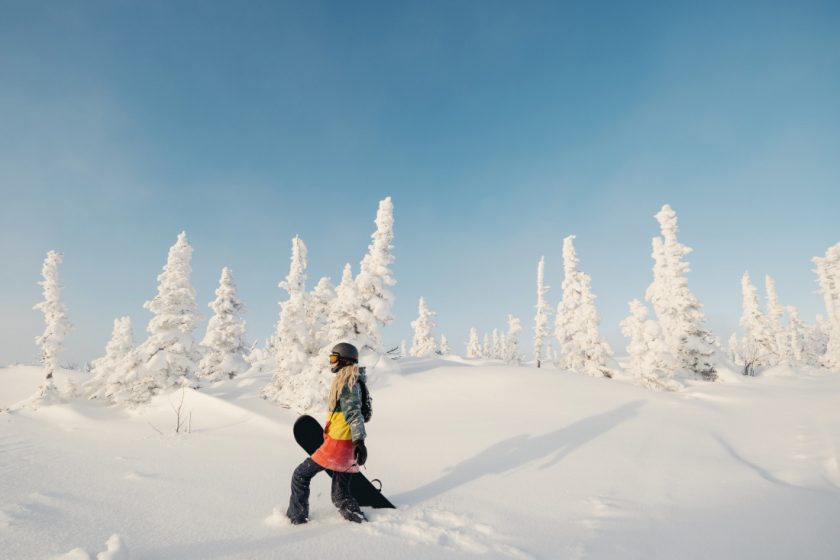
(310, 435)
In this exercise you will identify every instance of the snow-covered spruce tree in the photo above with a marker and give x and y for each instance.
(51, 342)
(117, 350)
(757, 347)
(576, 327)
(318, 313)
(473, 345)
(224, 342)
(487, 348)
(443, 349)
(828, 276)
(797, 339)
(541, 330)
(648, 354)
(677, 309)
(777, 331)
(292, 330)
(169, 357)
(375, 278)
(497, 345)
(423, 344)
(510, 346)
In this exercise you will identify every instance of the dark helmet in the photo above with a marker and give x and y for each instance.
(345, 354)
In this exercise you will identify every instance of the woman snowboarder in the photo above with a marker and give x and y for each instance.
(343, 450)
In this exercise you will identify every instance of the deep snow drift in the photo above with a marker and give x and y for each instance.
(481, 459)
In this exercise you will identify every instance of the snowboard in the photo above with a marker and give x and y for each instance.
(310, 435)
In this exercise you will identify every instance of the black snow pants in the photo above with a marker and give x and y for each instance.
(299, 500)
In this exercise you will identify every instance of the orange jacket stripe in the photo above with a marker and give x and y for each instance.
(336, 453)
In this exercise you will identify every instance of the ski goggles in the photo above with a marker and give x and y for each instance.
(334, 358)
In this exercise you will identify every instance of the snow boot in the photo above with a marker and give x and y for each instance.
(354, 516)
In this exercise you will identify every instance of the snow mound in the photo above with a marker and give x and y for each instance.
(277, 518)
(115, 550)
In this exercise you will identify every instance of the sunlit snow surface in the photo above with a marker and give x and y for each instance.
(481, 459)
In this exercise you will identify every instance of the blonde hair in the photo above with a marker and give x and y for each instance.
(346, 377)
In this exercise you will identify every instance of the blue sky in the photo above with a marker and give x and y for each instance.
(497, 127)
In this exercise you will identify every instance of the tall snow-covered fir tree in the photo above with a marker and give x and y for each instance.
(541, 329)
(224, 342)
(169, 357)
(487, 348)
(375, 278)
(292, 329)
(423, 343)
(117, 350)
(576, 326)
(647, 351)
(677, 309)
(775, 312)
(757, 347)
(56, 324)
(511, 353)
(473, 345)
(828, 277)
(496, 352)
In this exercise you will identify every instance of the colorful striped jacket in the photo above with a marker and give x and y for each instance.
(344, 426)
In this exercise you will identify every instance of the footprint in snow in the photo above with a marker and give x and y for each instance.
(815, 459)
(39, 506)
(604, 512)
(439, 527)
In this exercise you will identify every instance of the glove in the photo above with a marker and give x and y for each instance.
(360, 452)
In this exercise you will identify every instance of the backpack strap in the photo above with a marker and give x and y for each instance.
(367, 402)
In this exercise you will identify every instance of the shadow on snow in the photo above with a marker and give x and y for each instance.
(520, 450)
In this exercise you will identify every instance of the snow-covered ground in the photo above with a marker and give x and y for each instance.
(481, 459)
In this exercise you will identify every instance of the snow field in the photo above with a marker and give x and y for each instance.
(482, 459)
